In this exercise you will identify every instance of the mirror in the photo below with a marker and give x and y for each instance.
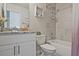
(16, 14)
(13, 19)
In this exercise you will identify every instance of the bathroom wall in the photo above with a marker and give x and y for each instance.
(64, 21)
(17, 7)
(0, 8)
(51, 20)
(42, 24)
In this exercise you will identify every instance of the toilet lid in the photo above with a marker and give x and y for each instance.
(48, 47)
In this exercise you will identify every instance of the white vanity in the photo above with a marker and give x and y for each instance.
(17, 44)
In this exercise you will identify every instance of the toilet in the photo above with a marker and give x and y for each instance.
(47, 49)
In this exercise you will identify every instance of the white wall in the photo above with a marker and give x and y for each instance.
(64, 22)
(35, 23)
(0, 8)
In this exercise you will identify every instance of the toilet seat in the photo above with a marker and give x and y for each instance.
(48, 47)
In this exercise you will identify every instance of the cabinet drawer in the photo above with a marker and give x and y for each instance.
(25, 37)
(8, 39)
(14, 38)
(6, 47)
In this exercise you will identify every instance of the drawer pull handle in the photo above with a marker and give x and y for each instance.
(14, 50)
(18, 49)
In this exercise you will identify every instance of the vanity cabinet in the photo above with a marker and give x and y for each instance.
(7, 50)
(18, 44)
(27, 48)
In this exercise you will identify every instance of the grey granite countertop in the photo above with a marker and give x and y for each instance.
(19, 32)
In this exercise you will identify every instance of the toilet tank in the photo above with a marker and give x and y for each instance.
(41, 39)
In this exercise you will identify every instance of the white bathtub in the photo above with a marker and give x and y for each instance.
(63, 48)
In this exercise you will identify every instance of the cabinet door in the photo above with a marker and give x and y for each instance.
(7, 50)
(27, 49)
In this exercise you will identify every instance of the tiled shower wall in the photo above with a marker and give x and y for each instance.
(64, 22)
(51, 24)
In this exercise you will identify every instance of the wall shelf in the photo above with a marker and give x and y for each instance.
(38, 11)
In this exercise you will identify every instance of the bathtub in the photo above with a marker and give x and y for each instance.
(63, 48)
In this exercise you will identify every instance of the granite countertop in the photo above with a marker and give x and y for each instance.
(18, 32)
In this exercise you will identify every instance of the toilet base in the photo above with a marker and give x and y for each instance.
(47, 54)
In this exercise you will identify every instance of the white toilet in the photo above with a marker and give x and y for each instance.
(47, 49)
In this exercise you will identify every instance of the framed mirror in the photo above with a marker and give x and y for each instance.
(16, 15)
(13, 19)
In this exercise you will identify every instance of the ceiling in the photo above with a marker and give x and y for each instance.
(49, 5)
(58, 6)
(63, 5)
(25, 5)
